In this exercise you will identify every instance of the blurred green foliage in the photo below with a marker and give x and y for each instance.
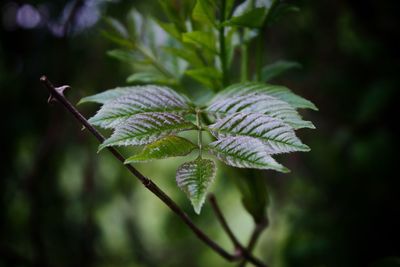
(61, 204)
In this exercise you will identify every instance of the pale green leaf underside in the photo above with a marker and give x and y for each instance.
(107, 96)
(147, 99)
(258, 103)
(244, 152)
(274, 133)
(144, 128)
(169, 146)
(195, 178)
(279, 92)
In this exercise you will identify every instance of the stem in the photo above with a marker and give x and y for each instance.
(57, 94)
(222, 47)
(240, 250)
(257, 231)
(199, 132)
(223, 222)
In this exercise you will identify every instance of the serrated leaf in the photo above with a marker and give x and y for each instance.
(208, 76)
(254, 18)
(149, 78)
(277, 68)
(201, 39)
(139, 99)
(276, 91)
(274, 133)
(144, 128)
(244, 152)
(170, 146)
(204, 12)
(195, 178)
(258, 103)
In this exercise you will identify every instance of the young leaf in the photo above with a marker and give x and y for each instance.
(195, 178)
(204, 12)
(139, 99)
(201, 39)
(277, 68)
(278, 136)
(279, 92)
(142, 129)
(259, 103)
(244, 152)
(170, 146)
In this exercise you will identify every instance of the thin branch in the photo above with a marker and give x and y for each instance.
(240, 250)
(257, 231)
(56, 93)
(224, 223)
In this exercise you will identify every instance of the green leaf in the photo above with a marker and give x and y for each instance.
(138, 99)
(277, 68)
(145, 128)
(204, 12)
(209, 77)
(244, 152)
(122, 55)
(195, 178)
(170, 146)
(252, 19)
(279, 92)
(281, 10)
(150, 78)
(257, 103)
(201, 39)
(171, 29)
(117, 27)
(277, 136)
(188, 55)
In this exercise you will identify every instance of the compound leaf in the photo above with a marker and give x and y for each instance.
(145, 128)
(169, 146)
(274, 133)
(244, 152)
(195, 178)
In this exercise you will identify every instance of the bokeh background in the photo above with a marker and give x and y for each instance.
(61, 204)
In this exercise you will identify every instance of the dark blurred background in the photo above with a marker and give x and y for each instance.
(61, 204)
